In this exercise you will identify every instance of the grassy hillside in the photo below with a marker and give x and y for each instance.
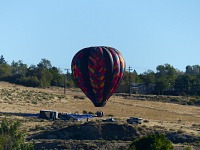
(157, 112)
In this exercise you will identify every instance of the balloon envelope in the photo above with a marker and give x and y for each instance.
(98, 72)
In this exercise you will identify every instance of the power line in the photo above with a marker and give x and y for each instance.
(129, 70)
(65, 79)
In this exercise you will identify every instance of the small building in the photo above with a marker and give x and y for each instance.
(48, 114)
(141, 88)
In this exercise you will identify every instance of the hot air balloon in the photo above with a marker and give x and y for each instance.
(98, 72)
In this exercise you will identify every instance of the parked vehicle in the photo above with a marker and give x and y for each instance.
(99, 113)
(134, 120)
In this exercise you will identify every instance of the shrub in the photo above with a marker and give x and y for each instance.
(188, 147)
(151, 142)
(90, 112)
(111, 115)
(190, 103)
(11, 138)
(146, 121)
(197, 102)
(84, 112)
(175, 100)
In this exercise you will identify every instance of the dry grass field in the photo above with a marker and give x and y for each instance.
(19, 99)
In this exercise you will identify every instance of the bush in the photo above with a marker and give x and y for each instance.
(111, 115)
(84, 112)
(90, 113)
(151, 142)
(11, 138)
(190, 103)
(188, 147)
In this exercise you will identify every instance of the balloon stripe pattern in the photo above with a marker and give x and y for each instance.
(78, 75)
(98, 72)
(122, 70)
(116, 71)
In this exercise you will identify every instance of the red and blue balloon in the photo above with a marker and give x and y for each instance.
(98, 72)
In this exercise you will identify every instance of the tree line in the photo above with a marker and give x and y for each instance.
(165, 80)
(41, 75)
(168, 81)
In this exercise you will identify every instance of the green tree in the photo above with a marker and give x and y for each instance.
(58, 78)
(2, 60)
(32, 71)
(31, 78)
(5, 71)
(193, 70)
(18, 72)
(30, 81)
(183, 84)
(189, 70)
(151, 142)
(69, 80)
(44, 76)
(124, 85)
(43, 73)
(18, 68)
(165, 78)
(134, 78)
(44, 63)
(148, 77)
(195, 85)
(11, 138)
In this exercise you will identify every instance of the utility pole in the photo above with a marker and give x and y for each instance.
(65, 79)
(129, 70)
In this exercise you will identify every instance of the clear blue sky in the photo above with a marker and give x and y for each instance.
(148, 32)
